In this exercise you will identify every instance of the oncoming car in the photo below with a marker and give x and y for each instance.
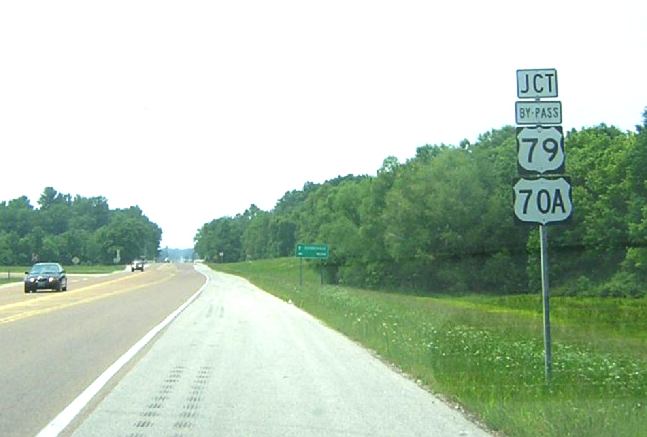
(50, 276)
(137, 264)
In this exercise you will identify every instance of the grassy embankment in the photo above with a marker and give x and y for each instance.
(486, 353)
(17, 273)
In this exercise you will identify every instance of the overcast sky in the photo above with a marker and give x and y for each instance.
(194, 110)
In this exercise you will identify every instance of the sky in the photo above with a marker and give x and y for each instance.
(194, 110)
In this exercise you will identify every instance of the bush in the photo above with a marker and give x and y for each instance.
(623, 284)
(503, 274)
(583, 287)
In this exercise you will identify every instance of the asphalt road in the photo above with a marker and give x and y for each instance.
(53, 345)
(239, 362)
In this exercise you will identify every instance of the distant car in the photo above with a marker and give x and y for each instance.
(137, 264)
(50, 276)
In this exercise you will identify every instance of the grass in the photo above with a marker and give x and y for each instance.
(486, 353)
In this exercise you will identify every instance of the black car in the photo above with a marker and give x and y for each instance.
(49, 276)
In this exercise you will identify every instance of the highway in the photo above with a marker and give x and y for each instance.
(235, 362)
(53, 345)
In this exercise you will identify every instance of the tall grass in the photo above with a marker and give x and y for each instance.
(486, 353)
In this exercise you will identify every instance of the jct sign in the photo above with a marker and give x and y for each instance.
(537, 84)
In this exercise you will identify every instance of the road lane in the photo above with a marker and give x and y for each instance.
(53, 345)
(240, 362)
(14, 292)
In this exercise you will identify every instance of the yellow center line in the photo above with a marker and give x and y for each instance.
(67, 293)
(55, 306)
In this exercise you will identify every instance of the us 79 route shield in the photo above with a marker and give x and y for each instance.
(540, 149)
(543, 200)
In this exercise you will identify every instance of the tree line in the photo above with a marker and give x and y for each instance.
(443, 221)
(73, 229)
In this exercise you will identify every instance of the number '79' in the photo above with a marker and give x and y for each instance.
(549, 145)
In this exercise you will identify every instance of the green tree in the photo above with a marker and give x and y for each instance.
(130, 234)
(50, 197)
(89, 213)
(635, 262)
(443, 220)
(6, 249)
(256, 238)
(17, 216)
(222, 235)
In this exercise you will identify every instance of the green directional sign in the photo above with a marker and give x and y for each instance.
(316, 251)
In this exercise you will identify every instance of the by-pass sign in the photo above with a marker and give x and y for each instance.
(538, 113)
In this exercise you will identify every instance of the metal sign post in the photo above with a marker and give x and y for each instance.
(545, 288)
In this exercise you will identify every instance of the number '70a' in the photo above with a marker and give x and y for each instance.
(546, 202)
(543, 200)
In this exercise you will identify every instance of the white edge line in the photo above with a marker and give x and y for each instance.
(65, 417)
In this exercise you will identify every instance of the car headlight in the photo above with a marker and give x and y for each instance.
(32, 279)
(51, 279)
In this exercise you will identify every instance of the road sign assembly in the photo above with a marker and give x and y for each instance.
(539, 198)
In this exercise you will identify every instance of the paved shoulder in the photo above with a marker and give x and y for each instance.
(241, 362)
